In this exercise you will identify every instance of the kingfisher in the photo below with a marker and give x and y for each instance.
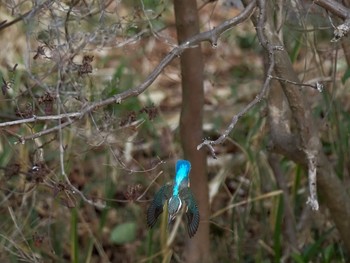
(176, 194)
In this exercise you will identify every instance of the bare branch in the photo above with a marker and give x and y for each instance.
(41, 118)
(339, 10)
(30, 13)
(341, 31)
(312, 171)
(271, 50)
(317, 86)
(334, 7)
(47, 131)
(210, 36)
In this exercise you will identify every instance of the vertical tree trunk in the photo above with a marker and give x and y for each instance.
(187, 25)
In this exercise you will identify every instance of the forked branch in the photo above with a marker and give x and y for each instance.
(210, 36)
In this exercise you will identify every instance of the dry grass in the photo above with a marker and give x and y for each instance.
(119, 155)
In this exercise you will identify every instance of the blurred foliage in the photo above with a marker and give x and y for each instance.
(124, 233)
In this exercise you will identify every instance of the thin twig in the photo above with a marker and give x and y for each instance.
(317, 86)
(41, 118)
(271, 49)
(47, 131)
(210, 36)
(334, 7)
(73, 189)
(339, 10)
(12, 214)
(247, 201)
(30, 13)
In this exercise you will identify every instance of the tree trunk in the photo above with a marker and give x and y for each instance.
(292, 145)
(187, 25)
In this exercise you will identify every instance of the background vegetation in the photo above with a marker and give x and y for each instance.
(90, 128)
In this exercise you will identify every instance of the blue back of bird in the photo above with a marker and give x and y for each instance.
(182, 179)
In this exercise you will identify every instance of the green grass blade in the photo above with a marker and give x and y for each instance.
(74, 236)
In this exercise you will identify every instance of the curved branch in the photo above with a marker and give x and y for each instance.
(32, 12)
(271, 49)
(334, 7)
(210, 36)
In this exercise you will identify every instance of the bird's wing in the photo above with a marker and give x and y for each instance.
(192, 213)
(156, 207)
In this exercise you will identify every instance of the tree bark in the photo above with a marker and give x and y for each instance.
(191, 120)
(293, 146)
